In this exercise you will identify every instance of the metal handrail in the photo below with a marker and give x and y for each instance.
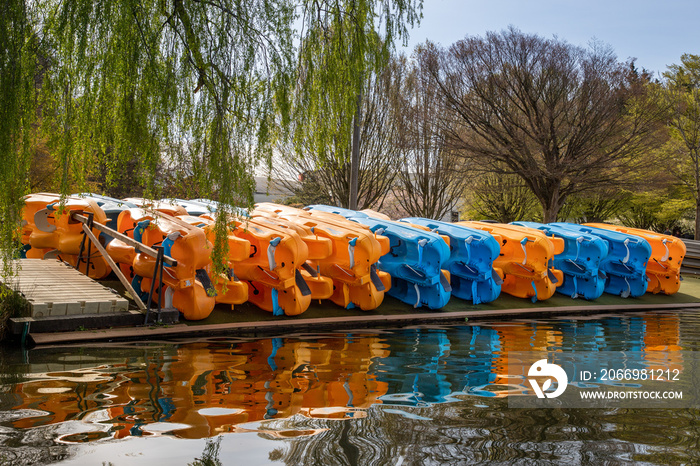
(157, 252)
(122, 237)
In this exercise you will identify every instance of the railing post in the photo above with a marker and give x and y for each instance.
(157, 274)
(89, 246)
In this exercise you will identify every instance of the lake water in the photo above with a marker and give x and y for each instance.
(406, 396)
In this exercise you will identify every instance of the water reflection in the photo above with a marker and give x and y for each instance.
(202, 389)
(399, 392)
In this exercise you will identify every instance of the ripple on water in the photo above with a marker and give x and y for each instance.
(428, 395)
(219, 411)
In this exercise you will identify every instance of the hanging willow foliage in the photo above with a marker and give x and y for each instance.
(339, 54)
(18, 47)
(211, 83)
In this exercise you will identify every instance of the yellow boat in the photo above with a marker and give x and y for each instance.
(187, 285)
(168, 208)
(525, 259)
(123, 255)
(319, 248)
(229, 289)
(667, 253)
(275, 254)
(290, 301)
(355, 248)
(352, 262)
(275, 282)
(34, 203)
(48, 227)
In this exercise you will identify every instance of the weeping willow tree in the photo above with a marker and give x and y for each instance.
(18, 55)
(211, 82)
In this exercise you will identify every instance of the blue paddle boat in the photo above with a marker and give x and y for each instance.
(580, 261)
(470, 265)
(626, 262)
(415, 260)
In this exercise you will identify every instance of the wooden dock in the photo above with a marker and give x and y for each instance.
(283, 326)
(53, 289)
(248, 320)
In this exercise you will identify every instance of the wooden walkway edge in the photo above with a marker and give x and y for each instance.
(337, 323)
(53, 288)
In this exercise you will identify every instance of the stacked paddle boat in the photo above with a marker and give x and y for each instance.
(667, 252)
(470, 265)
(122, 253)
(185, 286)
(352, 264)
(526, 259)
(271, 269)
(579, 261)
(229, 289)
(318, 248)
(37, 243)
(415, 258)
(626, 261)
(51, 232)
(111, 206)
(281, 258)
(194, 208)
(168, 207)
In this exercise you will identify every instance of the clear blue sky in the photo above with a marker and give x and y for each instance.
(656, 32)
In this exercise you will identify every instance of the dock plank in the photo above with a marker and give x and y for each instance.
(338, 323)
(53, 288)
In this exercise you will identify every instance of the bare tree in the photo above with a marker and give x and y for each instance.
(563, 118)
(330, 171)
(431, 181)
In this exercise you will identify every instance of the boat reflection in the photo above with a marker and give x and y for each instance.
(199, 390)
(249, 381)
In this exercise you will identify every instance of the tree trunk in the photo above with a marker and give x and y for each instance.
(551, 205)
(549, 213)
(696, 161)
(355, 156)
(697, 219)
